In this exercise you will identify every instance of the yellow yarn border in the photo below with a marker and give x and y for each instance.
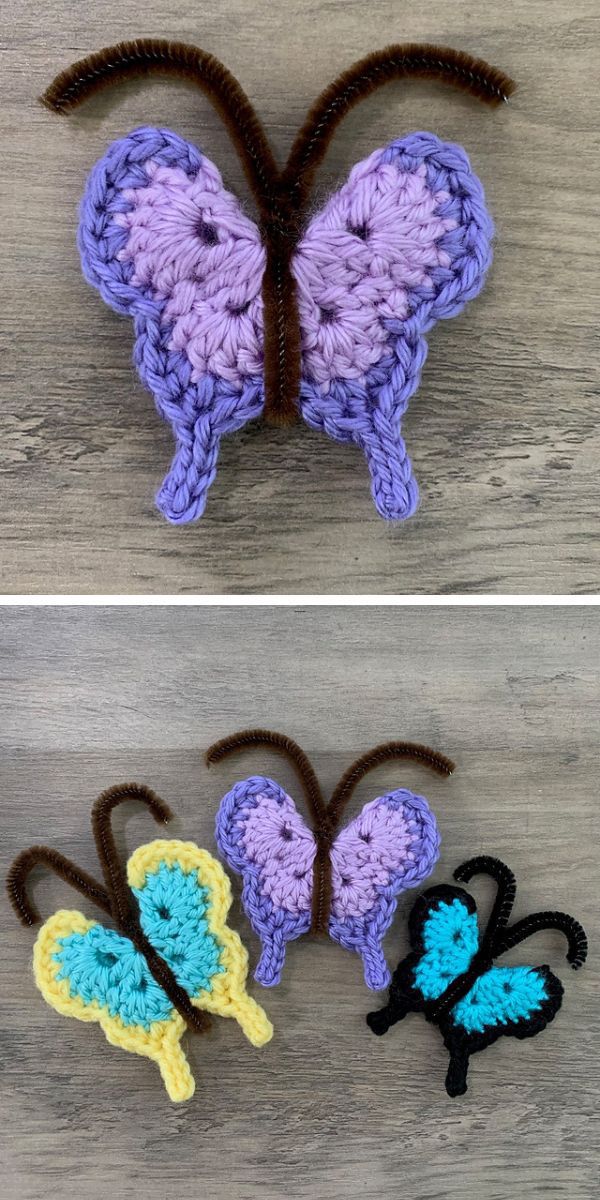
(160, 1042)
(227, 997)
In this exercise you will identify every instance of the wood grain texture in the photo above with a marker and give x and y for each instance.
(90, 697)
(504, 432)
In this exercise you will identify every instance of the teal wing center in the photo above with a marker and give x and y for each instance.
(104, 966)
(450, 939)
(502, 996)
(174, 911)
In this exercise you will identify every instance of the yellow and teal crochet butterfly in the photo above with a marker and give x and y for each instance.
(170, 959)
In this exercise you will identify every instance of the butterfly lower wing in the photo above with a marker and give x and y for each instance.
(262, 837)
(165, 243)
(86, 971)
(391, 846)
(504, 1001)
(405, 242)
(184, 897)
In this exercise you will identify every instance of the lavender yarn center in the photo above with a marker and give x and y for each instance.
(191, 244)
(376, 238)
(404, 243)
(363, 856)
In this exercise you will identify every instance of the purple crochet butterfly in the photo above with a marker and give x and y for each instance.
(405, 242)
(296, 879)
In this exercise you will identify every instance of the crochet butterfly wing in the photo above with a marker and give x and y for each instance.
(517, 1001)
(263, 838)
(405, 242)
(93, 973)
(165, 243)
(391, 846)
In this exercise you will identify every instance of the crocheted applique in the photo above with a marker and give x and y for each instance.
(449, 974)
(171, 958)
(326, 317)
(345, 884)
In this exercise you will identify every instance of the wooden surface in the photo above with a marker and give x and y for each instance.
(94, 697)
(504, 431)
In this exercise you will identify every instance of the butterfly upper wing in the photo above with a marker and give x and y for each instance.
(392, 845)
(405, 242)
(445, 931)
(445, 940)
(184, 897)
(86, 971)
(165, 243)
(262, 837)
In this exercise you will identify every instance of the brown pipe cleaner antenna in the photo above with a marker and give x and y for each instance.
(116, 898)
(375, 758)
(326, 817)
(282, 745)
(156, 56)
(112, 868)
(281, 196)
(43, 856)
(409, 61)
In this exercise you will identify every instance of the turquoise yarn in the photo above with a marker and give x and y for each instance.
(501, 996)
(173, 910)
(450, 940)
(104, 966)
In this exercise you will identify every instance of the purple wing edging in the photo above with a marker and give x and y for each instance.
(199, 412)
(274, 926)
(369, 414)
(364, 934)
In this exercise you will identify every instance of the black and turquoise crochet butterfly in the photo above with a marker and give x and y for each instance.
(449, 975)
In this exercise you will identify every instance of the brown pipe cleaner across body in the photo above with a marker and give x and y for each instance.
(341, 883)
(169, 959)
(115, 898)
(281, 196)
(237, 321)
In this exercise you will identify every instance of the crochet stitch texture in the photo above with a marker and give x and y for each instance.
(171, 957)
(449, 974)
(404, 243)
(87, 971)
(391, 846)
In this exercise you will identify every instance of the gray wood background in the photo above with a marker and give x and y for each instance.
(504, 432)
(90, 697)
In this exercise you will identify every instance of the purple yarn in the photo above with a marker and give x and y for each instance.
(262, 837)
(165, 243)
(199, 413)
(370, 413)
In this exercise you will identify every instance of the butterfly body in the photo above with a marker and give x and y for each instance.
(450, 974)
(391, 846)
(404, 242)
